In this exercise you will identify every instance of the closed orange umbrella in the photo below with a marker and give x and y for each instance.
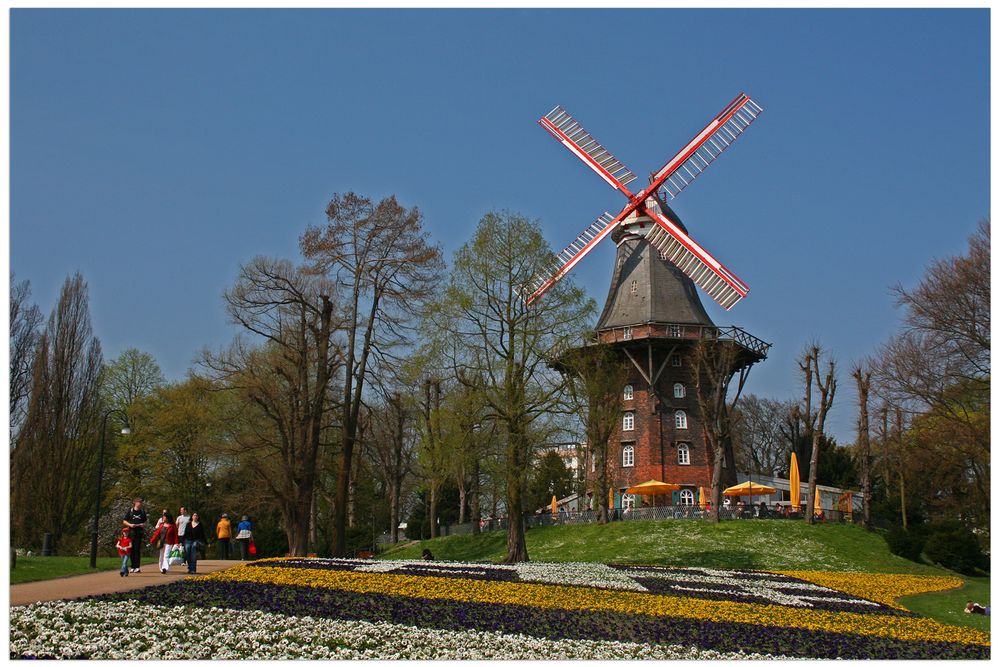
(555, 506)
(818, 508)
(794, 485)
(701, 497)
(611, 499)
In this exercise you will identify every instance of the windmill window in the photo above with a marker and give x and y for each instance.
(628, 421)
(628, 456)
(679, 391)
(663, 255)
(627, 333)
(675, 330)
(680, 419)
(628, 501)
(634, 287)
(627, 394)
(683, 454)
(687, 497)
(675, 360)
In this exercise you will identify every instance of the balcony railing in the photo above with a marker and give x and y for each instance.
(686, 332)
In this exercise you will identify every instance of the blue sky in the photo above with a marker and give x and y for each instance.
(154, 151)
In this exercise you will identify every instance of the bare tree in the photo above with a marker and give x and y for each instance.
(863, 377)
(385, 269)
(762, 446)
(394, 437)
(826, 385)
(501, 348)
(286, 380)
(717, 362)
(54, 461)
(595, 376)
(936, 374)
(25, 320)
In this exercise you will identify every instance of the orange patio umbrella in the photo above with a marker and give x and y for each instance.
(701, 497)
(794, 485)
(654, 488)
(817, 507)
(749, 489)
(555, 506)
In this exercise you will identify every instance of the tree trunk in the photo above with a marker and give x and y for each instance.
(716, 493)
(477, 514)
(432, 514)
(813, 466)
(461, 503)
(863, 379)
(394, 491)
(517, 548)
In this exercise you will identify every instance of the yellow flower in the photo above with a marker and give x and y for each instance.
(580, 598)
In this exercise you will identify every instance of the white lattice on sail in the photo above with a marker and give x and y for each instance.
(707, 146)
(695, 262)
(571, 134)
(570, 255)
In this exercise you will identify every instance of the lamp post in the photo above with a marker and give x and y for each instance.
(100, 478)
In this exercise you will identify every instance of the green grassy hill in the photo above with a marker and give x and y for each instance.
(761, 545)
(758, 545)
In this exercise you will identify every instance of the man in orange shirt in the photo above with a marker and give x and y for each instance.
(224, 532)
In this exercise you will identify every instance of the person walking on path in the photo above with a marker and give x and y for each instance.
(165, 537)
(124, 545)
(182, 522)
(194, 537)
(224, 533)
(243, 535)
(135, 520)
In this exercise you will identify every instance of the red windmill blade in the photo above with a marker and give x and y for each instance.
(693, 260)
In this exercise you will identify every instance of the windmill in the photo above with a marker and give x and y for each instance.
(643, 213)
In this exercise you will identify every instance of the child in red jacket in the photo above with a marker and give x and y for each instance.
(124, 545)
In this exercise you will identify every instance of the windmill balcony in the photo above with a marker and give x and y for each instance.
(687, 332)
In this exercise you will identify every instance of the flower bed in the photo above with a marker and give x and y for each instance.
(326, 608)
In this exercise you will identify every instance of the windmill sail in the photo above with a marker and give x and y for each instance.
(567, 259)
(694, 261)
(701, 151)
(571, 134)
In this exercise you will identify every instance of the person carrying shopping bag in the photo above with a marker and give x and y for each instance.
(244, 536)
(165, 537)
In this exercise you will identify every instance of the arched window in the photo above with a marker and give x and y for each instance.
(679, 391)
(627, 394)
(683, 454)
(680, 419)
(628, 456)
(687, 497)
(628, 501)
(628, 421)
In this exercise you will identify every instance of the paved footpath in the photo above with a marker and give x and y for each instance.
(98, 583)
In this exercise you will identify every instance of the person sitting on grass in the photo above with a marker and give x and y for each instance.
(124, 545)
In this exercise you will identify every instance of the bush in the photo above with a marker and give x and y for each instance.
(906, 543)
(954, 546)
